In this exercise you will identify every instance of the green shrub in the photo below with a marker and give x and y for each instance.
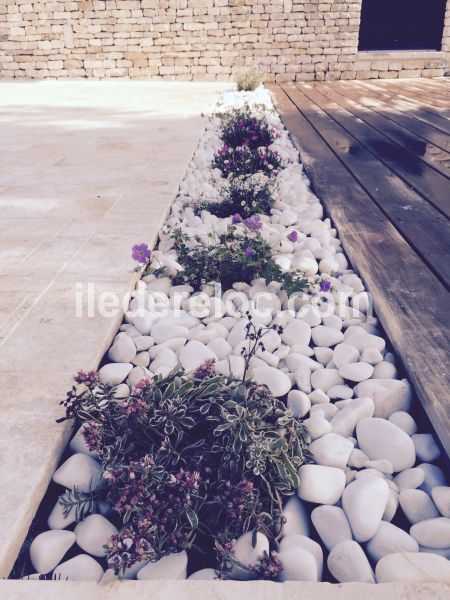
(236, 255)
(187, 461)
(246, 195)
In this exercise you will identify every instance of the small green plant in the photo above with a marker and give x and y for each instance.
(239, 254)
(246, 195)
(244, 127)
(248, 81)
(233, 162)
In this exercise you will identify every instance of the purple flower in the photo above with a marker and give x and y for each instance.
(325, 285)
(293, 236)
(236, 219)
(249, 252)
(338, 274)
(253, 223)
(141, 253)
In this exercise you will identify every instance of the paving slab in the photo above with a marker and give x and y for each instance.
(220, 590)
(88, 169)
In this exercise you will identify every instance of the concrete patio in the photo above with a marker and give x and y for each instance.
(89, 169)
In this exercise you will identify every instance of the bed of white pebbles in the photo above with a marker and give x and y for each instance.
(375, 501)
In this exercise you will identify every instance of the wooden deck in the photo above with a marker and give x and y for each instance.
(377, 153)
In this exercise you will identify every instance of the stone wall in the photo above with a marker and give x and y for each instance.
(198, 39)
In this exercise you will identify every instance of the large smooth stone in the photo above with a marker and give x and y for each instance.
(221, 348)
(302, 541)
(48, 548)
(434, 476)
(389, 539)
(79, 568)
(93, 533)
(79, 471)
(392, 505)
(114, 373)
(166, 359)
(413, 567)
(299, 403)
(324, 379)
(326, 336)
(317, 425)
(320, 484)
(310, 315)
(238, 332)
(441, 497)
(331, 450)
(434, 533)
(426, 447)
(172, 566)
(278, 382)
(405, 421)
(138, 374)
(143, 321)
(362, 340)
(345, 421)
(123, 349)
(194, 354)
(204, 575)
(295, 360)
(356, 371)
(331, 524)
(380, 438)
(344, 354)
(389, 395)
(162, 331)
(298, 565)
(417, 505)
(302, 378)
(347, 563)
(364, 502)
(410, 479)
(296, 518)
(247, 555)
(296, 332)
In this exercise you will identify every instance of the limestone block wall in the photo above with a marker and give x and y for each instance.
(198, 39)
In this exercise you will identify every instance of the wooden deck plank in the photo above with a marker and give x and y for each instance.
(413, 109)
(426, 230)
(443, 85)
(420, 129)
(410, 301)
(443, 93)
(433, 186)
(420, 103)
(434, 156)
(413, 91)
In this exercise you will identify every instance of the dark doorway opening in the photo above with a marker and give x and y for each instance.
(401, 24)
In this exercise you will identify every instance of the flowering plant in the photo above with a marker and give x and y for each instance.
(187, 461)
(239, 254)
(245, 161)
(242, 128)
(243, 194)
